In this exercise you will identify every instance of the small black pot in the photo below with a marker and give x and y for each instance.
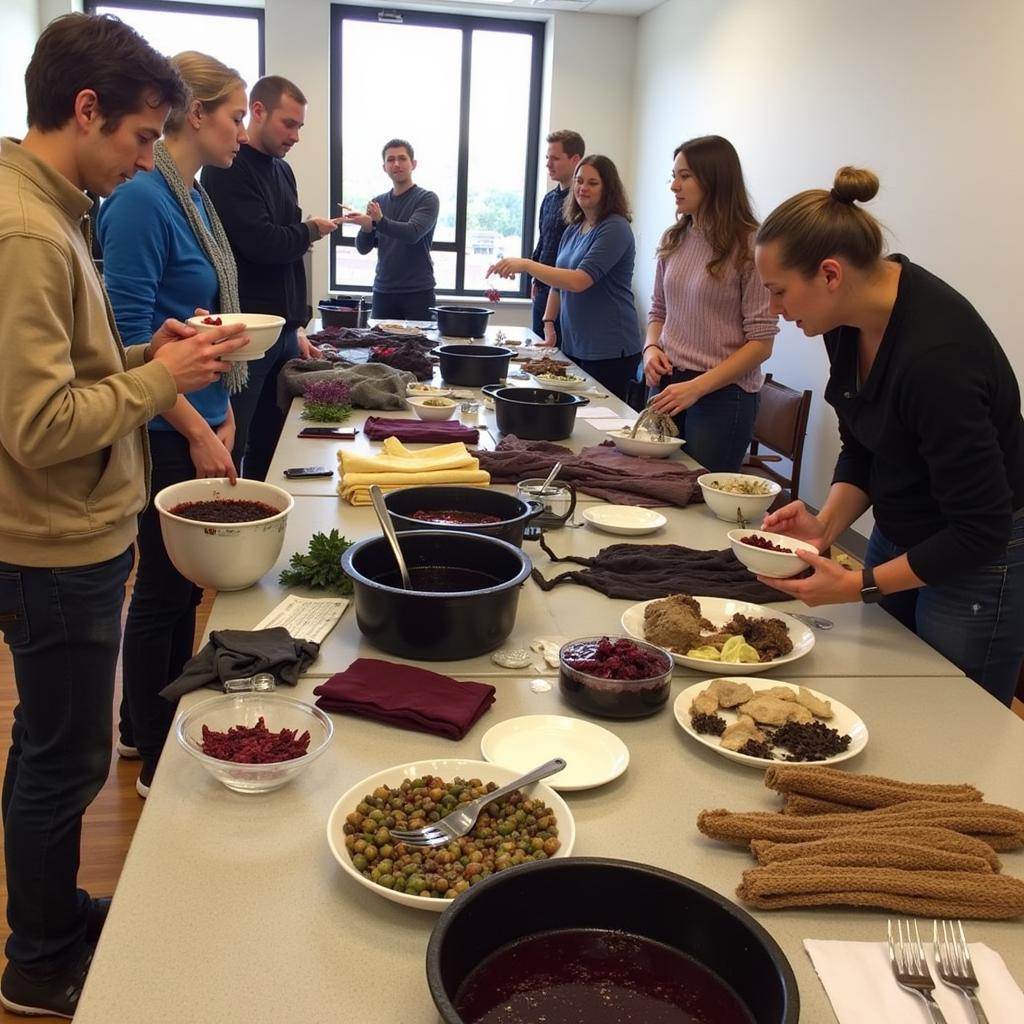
(513, 512)
(472, 366)
(436, 626)
(591, 892)
(462, 321)
(344, 311)
(535, 414)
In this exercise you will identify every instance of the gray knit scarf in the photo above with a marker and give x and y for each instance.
(215, 245)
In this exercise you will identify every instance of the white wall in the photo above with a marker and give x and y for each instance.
(18, 32)
(928, 93)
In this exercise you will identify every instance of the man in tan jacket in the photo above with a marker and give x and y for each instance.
(73, 471)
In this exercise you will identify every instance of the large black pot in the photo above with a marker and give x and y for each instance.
(344, 311)
(461, 321)
(590, 892)
(472, 366)
(535, 414)
(435, 626)
(513, 512)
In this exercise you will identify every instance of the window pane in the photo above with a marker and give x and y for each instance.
(499, 123)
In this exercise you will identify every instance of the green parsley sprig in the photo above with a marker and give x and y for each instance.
(320, 568)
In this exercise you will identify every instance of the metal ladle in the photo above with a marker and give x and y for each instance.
(384, 517)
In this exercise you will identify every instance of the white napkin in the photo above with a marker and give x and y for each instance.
(860, 984)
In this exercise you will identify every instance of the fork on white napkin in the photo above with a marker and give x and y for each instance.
(860, 985)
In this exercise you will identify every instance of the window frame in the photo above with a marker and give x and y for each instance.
(466, 23)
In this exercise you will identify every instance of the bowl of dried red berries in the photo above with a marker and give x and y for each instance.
(262, 330)
(614, 676)
(254, 742)
(769, 554)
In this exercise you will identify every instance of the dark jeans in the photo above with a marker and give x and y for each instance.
(258, 419)
(614, 374)
(719, 427)
(160, 630)
(63, 627)
(540, 301)
(403, 305)
(975, 620)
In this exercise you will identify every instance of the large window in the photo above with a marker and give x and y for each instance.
(233, 35)
(465, 92)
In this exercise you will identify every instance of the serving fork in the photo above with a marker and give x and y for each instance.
(953, 958)
(462, 819)
(906, 956)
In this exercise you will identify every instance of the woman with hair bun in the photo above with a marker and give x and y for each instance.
(931, 429)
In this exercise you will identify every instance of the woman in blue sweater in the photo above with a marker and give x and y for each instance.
(165, 254)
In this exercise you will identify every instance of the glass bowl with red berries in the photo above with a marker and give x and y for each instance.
(614, 676)
(769, 554)
(254, 741)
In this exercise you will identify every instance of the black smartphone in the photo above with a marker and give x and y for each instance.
(342, 433)
(301, 471)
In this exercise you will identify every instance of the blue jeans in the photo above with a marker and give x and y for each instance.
(63, 628)
(258, 419)
(403, 305)
(159, 633)
(615, 374)
(975, 620)
(719, 427)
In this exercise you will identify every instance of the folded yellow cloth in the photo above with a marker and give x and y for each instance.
(397, 466)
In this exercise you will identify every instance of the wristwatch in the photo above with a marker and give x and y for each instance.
(869, 592)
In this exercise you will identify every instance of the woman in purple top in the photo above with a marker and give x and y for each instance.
(592, 283)
(709, 328)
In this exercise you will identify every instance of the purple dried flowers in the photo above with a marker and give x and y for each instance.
(327, 401)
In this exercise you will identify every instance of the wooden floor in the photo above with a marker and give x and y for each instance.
(109, 822)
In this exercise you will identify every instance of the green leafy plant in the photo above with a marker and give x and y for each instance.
(321, 566)
(327, 401)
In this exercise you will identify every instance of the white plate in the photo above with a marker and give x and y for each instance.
(720, 610)
(627, 520)
(593, 754)
(573, 383)
(427, 391)
(447, 768)
(843, 720)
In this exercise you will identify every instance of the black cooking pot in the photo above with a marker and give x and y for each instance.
(591, 892)
(462, 321)
(344, 311)
(429, 625)
(513, 512)
(471, 366)
(535, 414)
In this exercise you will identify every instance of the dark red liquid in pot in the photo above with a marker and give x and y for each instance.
(451, 517)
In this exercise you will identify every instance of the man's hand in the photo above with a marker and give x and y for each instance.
(211, 457)
(326, 225)
(362, 219)
(193, 357)
(307, 350)
(656, 365)
(374, 211)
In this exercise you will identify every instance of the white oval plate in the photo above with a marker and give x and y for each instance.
(720, 610)
(447, 768)
(427, 391)
(626, 520)
(570, 384)
(843, 720)
(593, 755)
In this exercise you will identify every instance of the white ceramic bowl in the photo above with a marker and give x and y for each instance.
(447, 769)
(730, 505)
(432, 412)
(262, 329)
(777, 564)
(644, 445)
(224, 556)
(278, 712)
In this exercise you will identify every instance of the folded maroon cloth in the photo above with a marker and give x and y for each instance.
(409, 697)
(377, 428)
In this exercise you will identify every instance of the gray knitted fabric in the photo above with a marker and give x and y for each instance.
(215, 245)
(374, 385)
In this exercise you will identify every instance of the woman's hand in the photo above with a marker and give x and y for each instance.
(508, 267)
(656, 365)
(211, 454)
(307, 350)
(794, 520)
(830, 583)
(676, 397)
(550, 337)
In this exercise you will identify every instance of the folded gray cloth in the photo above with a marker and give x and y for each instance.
(373, 385)
(237, 653)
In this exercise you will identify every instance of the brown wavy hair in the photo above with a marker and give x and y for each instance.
(613, 192)
(726, 216)
(819, 224)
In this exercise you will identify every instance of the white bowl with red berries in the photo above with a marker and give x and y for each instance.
(262, 330)
(769, 554)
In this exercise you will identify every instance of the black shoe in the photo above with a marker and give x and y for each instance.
(56, 995)
(96, 918)
(145, 780)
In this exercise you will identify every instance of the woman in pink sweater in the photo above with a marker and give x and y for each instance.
(709, 328)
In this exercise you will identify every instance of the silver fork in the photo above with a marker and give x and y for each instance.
(911, 968)
(953, 958)
(462, 819)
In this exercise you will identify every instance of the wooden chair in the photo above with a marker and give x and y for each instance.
(781, 425)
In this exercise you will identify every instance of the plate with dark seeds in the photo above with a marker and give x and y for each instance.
(820, 741)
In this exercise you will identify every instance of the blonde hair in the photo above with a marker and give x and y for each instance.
(817, 224)
(208, 81)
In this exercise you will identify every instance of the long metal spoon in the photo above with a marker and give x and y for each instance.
(384, 517)
(555, 470)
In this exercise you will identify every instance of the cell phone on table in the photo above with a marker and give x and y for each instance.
(338, 433)
(298, 472)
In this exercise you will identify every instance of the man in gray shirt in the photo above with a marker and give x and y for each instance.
(400, 223)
